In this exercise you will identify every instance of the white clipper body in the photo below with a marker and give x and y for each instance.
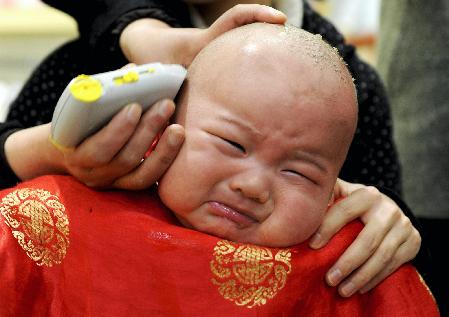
(89, 102)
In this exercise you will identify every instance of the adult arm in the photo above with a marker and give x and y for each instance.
(97, 50)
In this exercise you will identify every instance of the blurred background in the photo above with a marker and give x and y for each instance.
(29, 30)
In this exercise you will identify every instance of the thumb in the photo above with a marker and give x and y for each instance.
(344, 189)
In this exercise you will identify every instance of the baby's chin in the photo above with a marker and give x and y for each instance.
(266, 236)
(254, 237)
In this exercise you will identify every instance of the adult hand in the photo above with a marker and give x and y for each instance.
(150, 40)
(387, 241)
(113, 157)
(240, 15)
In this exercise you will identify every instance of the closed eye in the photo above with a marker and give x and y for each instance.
(235, 145)
(298, 175)
(293, 172)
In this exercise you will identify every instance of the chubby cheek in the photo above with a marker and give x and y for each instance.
(308, 222)
(185, 185)
(175, 187)
(169, 189)
(294, 221)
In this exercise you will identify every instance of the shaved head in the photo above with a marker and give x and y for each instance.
(299, 43)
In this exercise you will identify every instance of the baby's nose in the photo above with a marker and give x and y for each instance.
(253, 185)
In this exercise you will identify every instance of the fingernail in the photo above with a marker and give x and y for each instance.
(274, 11)
(347, 289)
(334, 276)
(174, 139)
(133, 112)
(315, 242)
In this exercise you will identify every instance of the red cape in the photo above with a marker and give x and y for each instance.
(67, 250)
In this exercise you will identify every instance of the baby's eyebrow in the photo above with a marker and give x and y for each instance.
(242, 125)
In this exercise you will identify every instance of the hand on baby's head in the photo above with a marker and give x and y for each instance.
(269, 113)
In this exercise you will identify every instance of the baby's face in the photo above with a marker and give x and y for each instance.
(259, 161)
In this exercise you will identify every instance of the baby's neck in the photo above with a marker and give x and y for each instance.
(211, 11)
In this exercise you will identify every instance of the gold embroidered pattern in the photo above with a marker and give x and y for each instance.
(39, 223)
(249, 275)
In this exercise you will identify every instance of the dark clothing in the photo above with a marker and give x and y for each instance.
(96, 19)
(372, 158)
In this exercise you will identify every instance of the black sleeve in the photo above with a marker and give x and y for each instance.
(97, 19)
(7, 176)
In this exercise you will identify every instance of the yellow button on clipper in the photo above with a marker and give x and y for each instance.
(131, 77)
(127, 78)
(85, 88)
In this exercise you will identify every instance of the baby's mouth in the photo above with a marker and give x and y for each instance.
(239, 217)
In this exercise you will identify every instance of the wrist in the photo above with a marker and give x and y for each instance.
(150, 40)
(29, 153)
(132, 40)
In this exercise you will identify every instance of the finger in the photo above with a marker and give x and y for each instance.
(344, 189)
(100, 148)
(406, 252)
(381, 258)
(362, 248)
(242, 14)
(157, 163)
(342, 213)
(130, 156)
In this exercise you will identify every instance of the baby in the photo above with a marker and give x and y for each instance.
(269, 113)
